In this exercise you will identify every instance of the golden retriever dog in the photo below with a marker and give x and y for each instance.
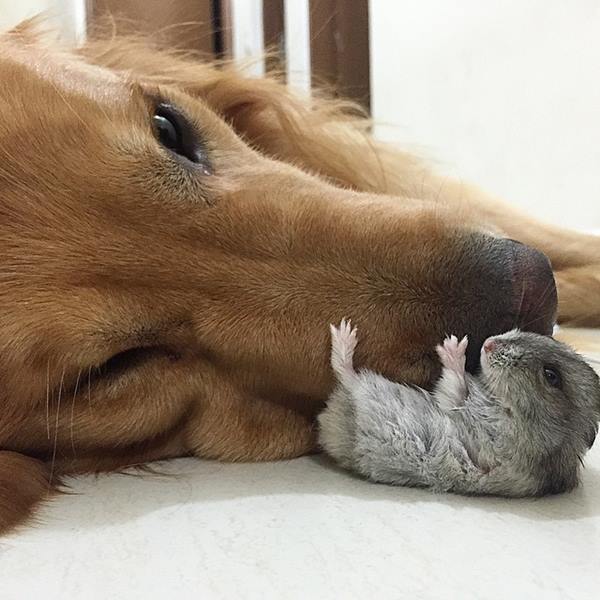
(175, 239)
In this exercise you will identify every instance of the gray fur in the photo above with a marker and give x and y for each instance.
(505, 432)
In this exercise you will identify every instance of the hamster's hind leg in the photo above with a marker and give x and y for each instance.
(343, 344)
(372, 425)
(337, 427)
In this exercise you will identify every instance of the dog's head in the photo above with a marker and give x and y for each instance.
(152, 261)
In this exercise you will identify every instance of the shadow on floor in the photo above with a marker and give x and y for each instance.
(121, 498)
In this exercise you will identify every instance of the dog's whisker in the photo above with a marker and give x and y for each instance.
(520, 305)
(56, 426)
(89, 389)
(48, 399)
(540, 302)
(73, 412)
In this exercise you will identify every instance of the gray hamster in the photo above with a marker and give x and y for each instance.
(519, 428)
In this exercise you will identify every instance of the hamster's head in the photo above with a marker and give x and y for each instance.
(551, 400)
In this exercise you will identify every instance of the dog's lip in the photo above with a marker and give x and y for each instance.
(129, 360)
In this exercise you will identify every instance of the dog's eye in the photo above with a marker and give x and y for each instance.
(553, 377)
(168, 133)
(174, 132)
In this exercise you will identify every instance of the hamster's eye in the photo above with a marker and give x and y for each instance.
(553, 377)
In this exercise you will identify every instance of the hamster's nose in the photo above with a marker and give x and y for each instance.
(489, 345)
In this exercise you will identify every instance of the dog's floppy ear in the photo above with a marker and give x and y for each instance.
(24, 483)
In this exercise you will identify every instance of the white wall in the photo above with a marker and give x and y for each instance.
(247, 35)
(505, 93)
(67, 15)
(12, 12)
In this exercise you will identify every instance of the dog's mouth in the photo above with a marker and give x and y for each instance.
(128, 361)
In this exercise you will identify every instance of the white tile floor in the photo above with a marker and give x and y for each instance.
(303, 529)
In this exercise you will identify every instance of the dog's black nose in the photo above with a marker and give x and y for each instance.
(534, 290)
(506, 285)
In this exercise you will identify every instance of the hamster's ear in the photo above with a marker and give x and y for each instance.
(590, 434)
(24, 483)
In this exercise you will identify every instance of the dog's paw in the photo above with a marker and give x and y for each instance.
(453, 353)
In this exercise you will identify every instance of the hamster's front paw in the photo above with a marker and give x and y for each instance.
(453, 354)
(451, 389)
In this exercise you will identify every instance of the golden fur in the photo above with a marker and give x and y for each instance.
(214, 292)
